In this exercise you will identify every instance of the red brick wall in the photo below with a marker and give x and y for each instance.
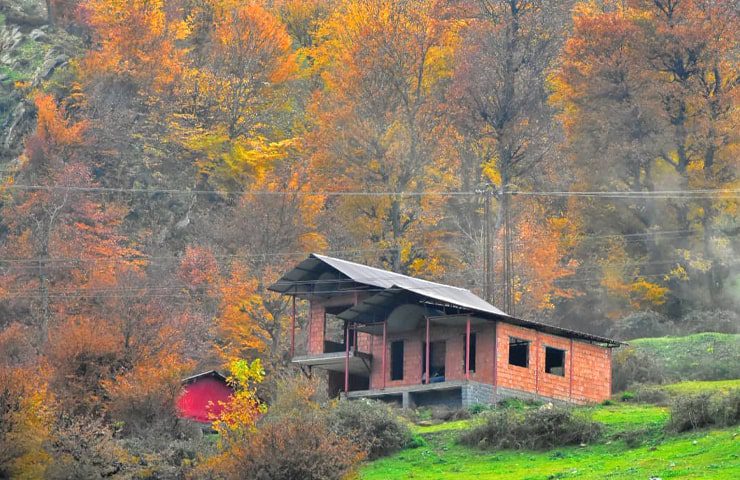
(590, 364)
(454, 338)
(591, 367)
(317, 329)
(411, 360)
(315, 343)
(592, 373)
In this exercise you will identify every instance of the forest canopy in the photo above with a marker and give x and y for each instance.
(163, 162)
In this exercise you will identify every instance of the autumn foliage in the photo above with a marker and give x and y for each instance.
(182, 155)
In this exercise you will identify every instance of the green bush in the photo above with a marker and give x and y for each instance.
(634, 438)
(720, 321)
(642, 325)
(372, 426)
(645, 394)
(691, 412)
(726, 408)
(478, 408)
(702, 356)
(537, 429)
(650, 394)
(627, 396)
(632, 366)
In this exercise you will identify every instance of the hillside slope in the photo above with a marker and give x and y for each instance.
(703, 356)
(701, 454)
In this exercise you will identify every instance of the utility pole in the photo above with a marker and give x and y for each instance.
(487, 192)
(508, 262)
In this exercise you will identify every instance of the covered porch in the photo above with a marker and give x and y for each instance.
(444, 331)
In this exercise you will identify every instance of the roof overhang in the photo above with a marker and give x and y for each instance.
(359, 362)
(327, 276)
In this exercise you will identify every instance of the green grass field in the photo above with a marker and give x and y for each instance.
(707, 454)
(694, 387)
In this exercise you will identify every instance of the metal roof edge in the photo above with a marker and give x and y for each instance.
(209, 373)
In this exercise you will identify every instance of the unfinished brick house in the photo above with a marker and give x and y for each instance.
(391, 337)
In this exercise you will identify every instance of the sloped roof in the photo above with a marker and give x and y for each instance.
(210, 373)
(382, 279)
(387, 286)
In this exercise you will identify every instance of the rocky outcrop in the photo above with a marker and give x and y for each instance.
(30, 52)
(25, 13)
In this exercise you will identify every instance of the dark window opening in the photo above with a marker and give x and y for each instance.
(472, 352)
(397, 360)
(437, 353)
(555, 361)
(518, 352)
(335, 331)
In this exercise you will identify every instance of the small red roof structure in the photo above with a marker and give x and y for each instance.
(201, 395)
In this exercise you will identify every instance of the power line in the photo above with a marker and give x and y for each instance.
(698, 193)
(36, 262)
(145, 291)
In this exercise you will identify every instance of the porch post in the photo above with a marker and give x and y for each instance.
(427, 356)
(346, 360)
(292, 332)
(570, 371)
(467, 349)
(385, 347)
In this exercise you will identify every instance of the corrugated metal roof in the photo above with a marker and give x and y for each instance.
(210, 373)
(375, 277)
(388, 285)
(366, 311)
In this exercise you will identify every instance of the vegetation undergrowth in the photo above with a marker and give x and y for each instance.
(534, 429)
(635, 443)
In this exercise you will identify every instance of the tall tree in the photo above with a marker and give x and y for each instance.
(58, 241)
(501, 67)
(378, 120)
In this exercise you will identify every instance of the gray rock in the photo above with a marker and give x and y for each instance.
(25, 12)
(46, 69)
(38, 35)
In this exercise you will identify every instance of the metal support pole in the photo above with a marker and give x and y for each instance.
(467, 349)
(495, 360)
(292, 332)
(385, 348)
(427, 352)
(570, 373)
(346, 361)
(537, 362)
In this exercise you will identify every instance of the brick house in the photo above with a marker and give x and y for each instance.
(384, 335)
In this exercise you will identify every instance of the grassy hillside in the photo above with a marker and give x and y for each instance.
(701, 454)
(703, 356)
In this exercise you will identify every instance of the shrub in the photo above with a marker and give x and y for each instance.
(634, 438)
(645, 394)
(720, 321)
(478, 408)
(286, 449)
(538, 429)
(631, 366)
(372, 426)
(641, 325)
(627, 396)
(650, 394)
(726, 408)
(690, 412)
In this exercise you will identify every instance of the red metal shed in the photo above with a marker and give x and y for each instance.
(201, 396)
